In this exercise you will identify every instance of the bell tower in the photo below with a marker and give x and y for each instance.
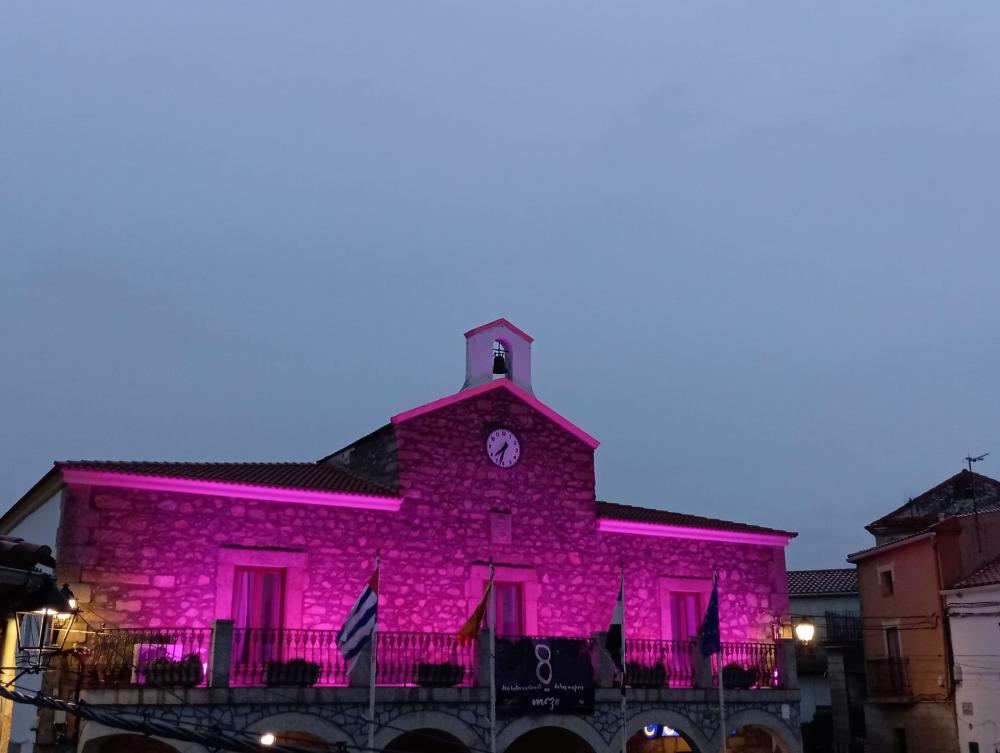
(497, 350)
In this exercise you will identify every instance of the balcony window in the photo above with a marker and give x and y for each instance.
(510, 609)
(685, 616)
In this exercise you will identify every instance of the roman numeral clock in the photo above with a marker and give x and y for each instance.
(503, 448)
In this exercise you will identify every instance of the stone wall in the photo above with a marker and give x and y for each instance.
(152, 558)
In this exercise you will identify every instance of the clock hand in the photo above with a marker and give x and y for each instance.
(501, 452)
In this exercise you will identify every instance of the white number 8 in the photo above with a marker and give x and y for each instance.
(544, 663)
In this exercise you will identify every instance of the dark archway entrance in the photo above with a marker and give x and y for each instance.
(659, 738)
(549, 740)
(127, 744)
(426, 741)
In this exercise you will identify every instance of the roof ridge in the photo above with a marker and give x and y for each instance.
(703, 519)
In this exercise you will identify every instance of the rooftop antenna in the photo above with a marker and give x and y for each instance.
(975, 504)
(970, 460)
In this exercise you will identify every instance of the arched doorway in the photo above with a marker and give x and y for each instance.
(426, 741)
(550, 740)
(752, 738)
(660, 738)
(127, 744)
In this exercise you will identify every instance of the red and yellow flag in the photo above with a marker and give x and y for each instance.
(468, 632)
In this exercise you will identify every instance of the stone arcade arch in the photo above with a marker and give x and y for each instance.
(780, 731)
(526, 725)
(418, 721)
(688, 729)
(96, 738)
(298, 722)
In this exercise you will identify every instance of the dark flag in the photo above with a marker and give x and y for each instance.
(711, 642)
(616, 635)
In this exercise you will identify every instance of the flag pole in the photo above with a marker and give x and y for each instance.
(374, 656)
(722, 699)
(624, 659)
(493, 663)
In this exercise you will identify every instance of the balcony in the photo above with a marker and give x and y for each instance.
(842, 627)
(888, 679)
(257, 658)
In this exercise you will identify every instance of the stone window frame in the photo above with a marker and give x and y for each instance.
(293, 563)
(668, 584)
(479, 575)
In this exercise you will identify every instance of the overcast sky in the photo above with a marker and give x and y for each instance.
(756, 243)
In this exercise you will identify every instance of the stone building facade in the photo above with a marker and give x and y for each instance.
(155, 546)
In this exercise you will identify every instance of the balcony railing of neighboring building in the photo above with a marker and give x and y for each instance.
(179, 657)
(842, 627)
(888, 677)
(653, 663)
(157, 656)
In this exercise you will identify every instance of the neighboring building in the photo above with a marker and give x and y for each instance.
(245, 566)
(925, 547)
(25, 579)
(831, 668)
(973, 608)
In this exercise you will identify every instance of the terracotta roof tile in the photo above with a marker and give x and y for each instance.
(616, 511)
(842, 580)
(984, 576)
(324, 477)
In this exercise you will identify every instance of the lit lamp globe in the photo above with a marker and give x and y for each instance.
(805, 631)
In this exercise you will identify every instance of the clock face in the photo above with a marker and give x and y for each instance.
(503, 448)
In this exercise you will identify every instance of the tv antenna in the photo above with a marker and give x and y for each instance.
(970, 460)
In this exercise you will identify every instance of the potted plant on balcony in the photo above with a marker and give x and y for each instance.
(638, 675)
(442, 675)
(738, 677)
(294, 672)
(186, 672)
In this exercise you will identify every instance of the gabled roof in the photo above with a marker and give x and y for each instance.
(323, 477)
(987, 575)
(615, 511)
(502, 322)
(954, 496)
(833, 581)
(499, 384)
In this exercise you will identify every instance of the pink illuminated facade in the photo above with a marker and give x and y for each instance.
(151, 546)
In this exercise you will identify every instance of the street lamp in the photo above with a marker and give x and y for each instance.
(805, 631)
(44, 623)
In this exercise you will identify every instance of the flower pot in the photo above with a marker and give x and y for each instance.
(645, 675)
(445, 675)
(295, 672)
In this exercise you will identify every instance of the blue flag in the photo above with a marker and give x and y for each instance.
(711, 641)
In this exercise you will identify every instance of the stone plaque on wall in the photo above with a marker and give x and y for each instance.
(500, 527)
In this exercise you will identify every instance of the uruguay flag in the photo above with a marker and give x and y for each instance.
(360, 624)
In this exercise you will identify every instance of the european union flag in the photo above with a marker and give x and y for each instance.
(711, 641)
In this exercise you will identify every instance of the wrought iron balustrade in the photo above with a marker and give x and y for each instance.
(842, 627)
(428, 659)
(286, 656)
(888, 677)
(748, 666)
(158, 657)
(655, 663)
